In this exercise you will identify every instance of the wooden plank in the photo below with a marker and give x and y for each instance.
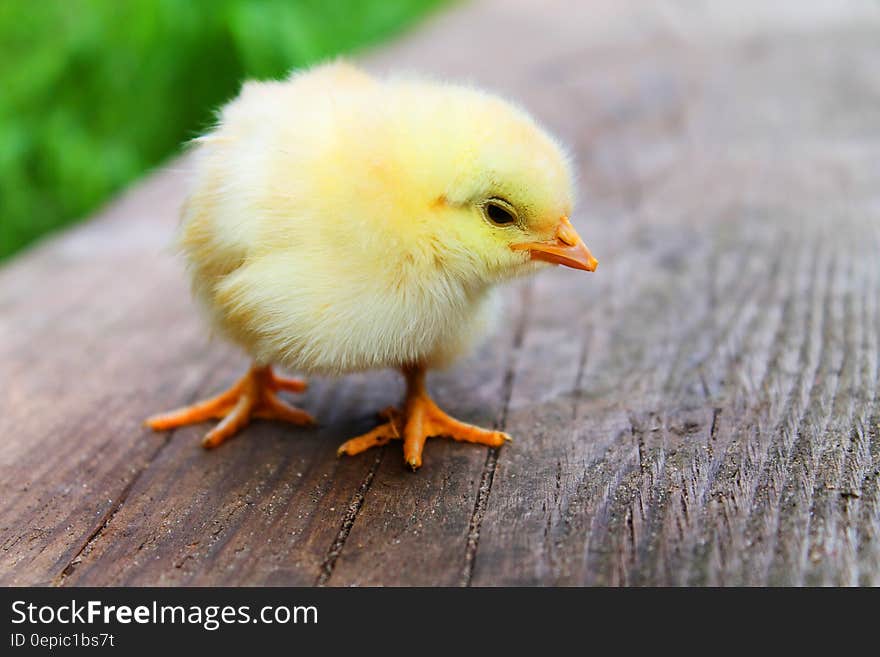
(426, 524)
(264, 512)
(703, 410)
(704, 391)
(72, 444)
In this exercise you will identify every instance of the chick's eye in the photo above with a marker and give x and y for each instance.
(499, 213)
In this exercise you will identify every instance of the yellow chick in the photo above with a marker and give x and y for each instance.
(339, 222)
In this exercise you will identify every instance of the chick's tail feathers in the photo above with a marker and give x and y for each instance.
(254, 395)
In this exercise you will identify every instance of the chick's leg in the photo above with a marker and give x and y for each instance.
(254, 395)
(421, 419)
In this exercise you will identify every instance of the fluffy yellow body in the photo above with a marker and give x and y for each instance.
(339, 222)
(324, 231)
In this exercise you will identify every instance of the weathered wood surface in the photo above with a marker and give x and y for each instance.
(702, 410)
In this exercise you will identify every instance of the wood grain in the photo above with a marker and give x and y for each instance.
(701, 411)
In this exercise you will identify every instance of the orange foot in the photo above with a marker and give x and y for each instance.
(252, 396)
(421, 419)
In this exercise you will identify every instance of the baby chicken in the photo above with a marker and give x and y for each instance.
(340, 222)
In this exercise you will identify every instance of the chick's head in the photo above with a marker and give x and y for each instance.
(498, 188)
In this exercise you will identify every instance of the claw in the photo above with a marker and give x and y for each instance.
(421, 420)
(251, 396)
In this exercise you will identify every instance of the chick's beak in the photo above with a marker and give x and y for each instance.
(566, 249)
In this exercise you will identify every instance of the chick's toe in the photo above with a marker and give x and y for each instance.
(254, 395)
(421, 419)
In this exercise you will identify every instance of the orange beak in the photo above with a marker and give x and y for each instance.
(566, 249)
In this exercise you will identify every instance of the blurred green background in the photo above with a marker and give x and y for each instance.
(93, 93)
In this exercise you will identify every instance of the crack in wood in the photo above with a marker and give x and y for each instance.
(487, 476)
(94, 536)
(108, 516)
(354, 508)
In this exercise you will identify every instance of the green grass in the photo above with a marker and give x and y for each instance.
(93, 93)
